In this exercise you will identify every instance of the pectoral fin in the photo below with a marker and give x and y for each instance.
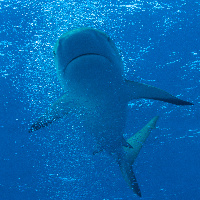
(139, 90)
(60, 108)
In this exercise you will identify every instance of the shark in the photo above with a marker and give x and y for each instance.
(91, 72)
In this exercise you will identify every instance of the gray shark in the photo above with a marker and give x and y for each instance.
(90, 71)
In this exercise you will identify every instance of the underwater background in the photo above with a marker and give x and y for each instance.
(159, 42)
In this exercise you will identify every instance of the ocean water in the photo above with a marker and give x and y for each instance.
(159, 42)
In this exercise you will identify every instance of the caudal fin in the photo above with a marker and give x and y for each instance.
(137, 140)
(129, 176)
(127, 158)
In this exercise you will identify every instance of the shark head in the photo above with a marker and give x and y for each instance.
(78, 50)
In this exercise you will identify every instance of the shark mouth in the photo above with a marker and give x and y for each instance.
(85, 54)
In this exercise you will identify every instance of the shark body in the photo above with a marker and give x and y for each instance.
(90, 71)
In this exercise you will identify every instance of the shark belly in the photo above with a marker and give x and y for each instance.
(90, 79)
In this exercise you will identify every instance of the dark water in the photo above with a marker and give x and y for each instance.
(160, 45)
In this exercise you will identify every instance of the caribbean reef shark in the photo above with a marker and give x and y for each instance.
(90, 71)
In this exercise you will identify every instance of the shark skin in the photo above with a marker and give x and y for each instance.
(90, 71)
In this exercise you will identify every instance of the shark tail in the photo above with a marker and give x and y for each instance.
(129, 176)
(128, 155)
(140, 137)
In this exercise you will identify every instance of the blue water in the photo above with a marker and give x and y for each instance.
(159, 42)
